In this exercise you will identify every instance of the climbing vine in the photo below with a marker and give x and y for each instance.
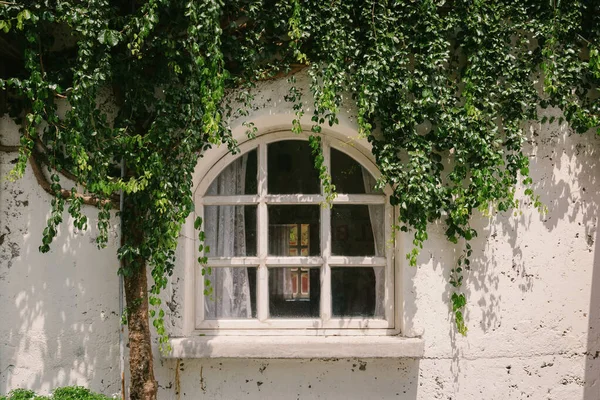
(443, 91)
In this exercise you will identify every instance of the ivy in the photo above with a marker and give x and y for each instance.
(328, 187)
(443, 90)
(203, 249)
(63, 393)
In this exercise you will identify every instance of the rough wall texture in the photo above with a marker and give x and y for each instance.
(58, 311)
(533, 292)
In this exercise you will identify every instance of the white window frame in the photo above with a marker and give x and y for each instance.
(326, 324)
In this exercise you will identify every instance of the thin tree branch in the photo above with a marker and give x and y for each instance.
(66, 194)
(294, 69)
(44, 159)
(40, 55)
(43, 182)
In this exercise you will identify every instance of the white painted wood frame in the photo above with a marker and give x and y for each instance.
(326, 324)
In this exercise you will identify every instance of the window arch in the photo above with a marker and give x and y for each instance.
(278, 258)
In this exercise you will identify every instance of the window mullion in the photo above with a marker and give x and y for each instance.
(389, 296)
(326, 245)
(198, 278)
(262, 281)
(263, 201)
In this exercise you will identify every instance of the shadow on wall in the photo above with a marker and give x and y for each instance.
(529, 270)
(59, 310)
(330, 379)
(565, 168)
(592, 354)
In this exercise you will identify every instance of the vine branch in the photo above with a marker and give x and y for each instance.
(66, 194)
(41, 179)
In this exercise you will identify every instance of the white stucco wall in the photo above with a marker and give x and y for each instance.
(58, 311)
(533, 300)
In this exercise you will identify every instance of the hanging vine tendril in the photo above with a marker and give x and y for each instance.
(443, 90)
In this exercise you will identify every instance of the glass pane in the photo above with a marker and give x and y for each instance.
(357, 291)
(291, 168)
(349, 176)
(230, 231)
(357, 230)
(230, 293)
(294, 230)
(294, 292)
(240, 177)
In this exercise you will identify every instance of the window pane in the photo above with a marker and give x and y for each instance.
(291, 168)
(294, 292)
(230, 293)
(357, 291)
(240, 177)
(349, 176)
(357, 230)
(230, 230)
(294, 230)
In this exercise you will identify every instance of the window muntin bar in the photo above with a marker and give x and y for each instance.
(325, 260)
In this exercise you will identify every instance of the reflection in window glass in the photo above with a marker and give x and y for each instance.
(349, 176)
(240, 177)
(294, 230)
(230, 230)
(291, 169)
(294, 292)
(357, 230)
(230, 293)
(357, 292)
(354, 229)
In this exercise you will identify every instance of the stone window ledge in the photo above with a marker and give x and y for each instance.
(296, 347)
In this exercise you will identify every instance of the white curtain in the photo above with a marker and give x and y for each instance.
(280, 279)
(226, 236)
(376, 215)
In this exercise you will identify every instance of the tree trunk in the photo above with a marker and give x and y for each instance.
(141, 365)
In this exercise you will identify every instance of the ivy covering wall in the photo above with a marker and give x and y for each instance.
(444, 92)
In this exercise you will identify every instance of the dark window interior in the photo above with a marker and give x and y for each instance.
(295, 214)
(290, 168)
(351, 231)
(353, 291)
(282, 307)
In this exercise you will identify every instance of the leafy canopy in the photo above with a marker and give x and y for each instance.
(443, 90)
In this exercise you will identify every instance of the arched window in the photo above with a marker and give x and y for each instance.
(280, 259)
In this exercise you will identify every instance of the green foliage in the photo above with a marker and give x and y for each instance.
(65, 393)
(76, 393)
(20, 394)
(203, 249)
(444, 91)
(458, 303)
(324, 176)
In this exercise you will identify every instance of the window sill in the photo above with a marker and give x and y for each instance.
(296, 347)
